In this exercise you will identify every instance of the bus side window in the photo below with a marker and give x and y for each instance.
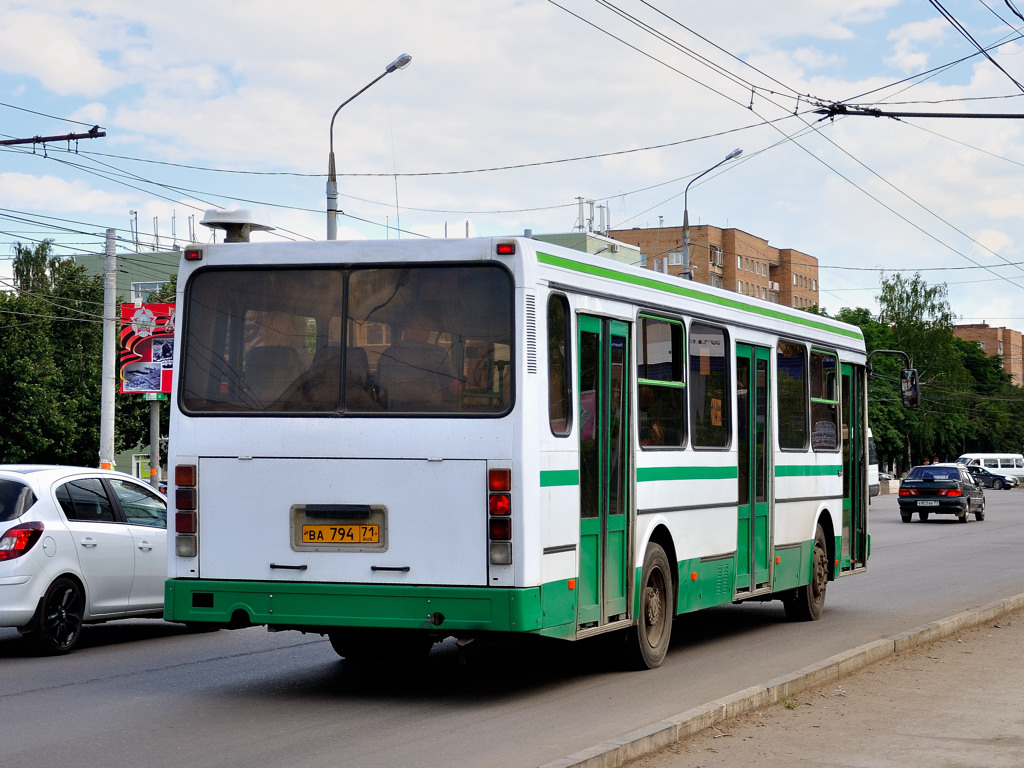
(559, 376)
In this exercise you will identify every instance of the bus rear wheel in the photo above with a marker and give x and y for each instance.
(810, 598)
(392, 645)
(653, 631)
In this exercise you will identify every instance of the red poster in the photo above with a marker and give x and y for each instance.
(147, 347)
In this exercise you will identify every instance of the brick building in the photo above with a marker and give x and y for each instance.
(731, 259)
(1005, 342)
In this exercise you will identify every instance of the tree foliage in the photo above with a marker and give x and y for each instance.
(968, 402)
(51, 342)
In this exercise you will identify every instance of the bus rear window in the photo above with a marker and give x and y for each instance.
(388, 340)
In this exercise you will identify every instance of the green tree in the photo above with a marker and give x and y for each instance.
(51, 342)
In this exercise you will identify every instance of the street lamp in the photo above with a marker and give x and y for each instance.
(686, 219)
(332, 180)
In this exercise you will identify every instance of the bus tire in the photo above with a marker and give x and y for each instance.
(391, 645)
(810, 598)
(650, 638)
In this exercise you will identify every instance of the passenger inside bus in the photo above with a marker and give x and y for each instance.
(415, 374)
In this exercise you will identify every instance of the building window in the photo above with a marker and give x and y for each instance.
(143, 291)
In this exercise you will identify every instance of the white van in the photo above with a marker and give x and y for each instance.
(1003, 463)
(873, 484)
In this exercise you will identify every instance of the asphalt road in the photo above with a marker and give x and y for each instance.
(148, 693)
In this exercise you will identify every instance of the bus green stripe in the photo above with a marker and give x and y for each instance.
(795, 470)
(647, 474)
(550, 478)
(690, 293)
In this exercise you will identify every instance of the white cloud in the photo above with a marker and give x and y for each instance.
(55, 51)
(907, 54)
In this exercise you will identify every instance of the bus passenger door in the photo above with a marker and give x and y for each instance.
(604, 462)
(854, 553)
(753, 536)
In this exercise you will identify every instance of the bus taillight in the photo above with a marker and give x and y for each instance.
(186, 514)
(499, 515)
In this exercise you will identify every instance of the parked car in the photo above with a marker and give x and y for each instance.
(78, 546)
(988, 478)
(941, 489)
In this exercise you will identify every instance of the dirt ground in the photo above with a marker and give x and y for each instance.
(955, 703)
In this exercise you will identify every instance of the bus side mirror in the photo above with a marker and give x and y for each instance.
(909, 389)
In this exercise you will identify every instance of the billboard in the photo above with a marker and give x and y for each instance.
(147, 347)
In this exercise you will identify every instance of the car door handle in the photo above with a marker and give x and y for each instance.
(145, 546)
(89, 542)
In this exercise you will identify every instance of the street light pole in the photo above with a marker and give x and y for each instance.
(686, 217)
(332, 180)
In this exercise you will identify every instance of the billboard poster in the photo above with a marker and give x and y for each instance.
(147, 347)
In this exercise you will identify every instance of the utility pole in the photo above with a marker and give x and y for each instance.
(154, 443)
(109, 361)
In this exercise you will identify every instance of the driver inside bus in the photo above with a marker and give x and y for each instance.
(415, 373)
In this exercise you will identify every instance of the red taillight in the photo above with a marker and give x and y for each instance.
(505, 249)
(908, 492)
(500, 504)
(499, 515)
(186, 515)
(185, 498)
(19, 540)
(185, 474)
(193, 254)
(185, 522)
(950, 492)
(499, 480)
(500, 529)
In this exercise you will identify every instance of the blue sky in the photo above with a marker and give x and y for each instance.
(228, 105)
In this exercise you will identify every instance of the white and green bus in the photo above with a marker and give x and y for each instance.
(395, 442)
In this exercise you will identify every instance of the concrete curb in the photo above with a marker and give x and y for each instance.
(656, 736)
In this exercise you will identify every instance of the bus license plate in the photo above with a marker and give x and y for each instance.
(341, 534)
(927, 503)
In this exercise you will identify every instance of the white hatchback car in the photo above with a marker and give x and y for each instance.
(77, 546)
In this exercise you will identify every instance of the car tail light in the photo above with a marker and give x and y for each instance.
(186, 513)
(950, 492)
(908, 492)
(19, 540)
(499, 515)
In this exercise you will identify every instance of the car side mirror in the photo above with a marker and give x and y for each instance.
(909, 391)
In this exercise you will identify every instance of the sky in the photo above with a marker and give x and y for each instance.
(512, 110)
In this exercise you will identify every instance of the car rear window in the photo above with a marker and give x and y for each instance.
(15, 499)
(933, 473)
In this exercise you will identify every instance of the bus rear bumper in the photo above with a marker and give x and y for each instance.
(315, 606)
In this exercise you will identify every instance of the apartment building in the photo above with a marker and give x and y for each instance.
(1005, 342)
(731, 259)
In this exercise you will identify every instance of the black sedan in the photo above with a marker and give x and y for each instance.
(941, 489)
(986, 478)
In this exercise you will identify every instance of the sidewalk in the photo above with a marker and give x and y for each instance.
(946, 694)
